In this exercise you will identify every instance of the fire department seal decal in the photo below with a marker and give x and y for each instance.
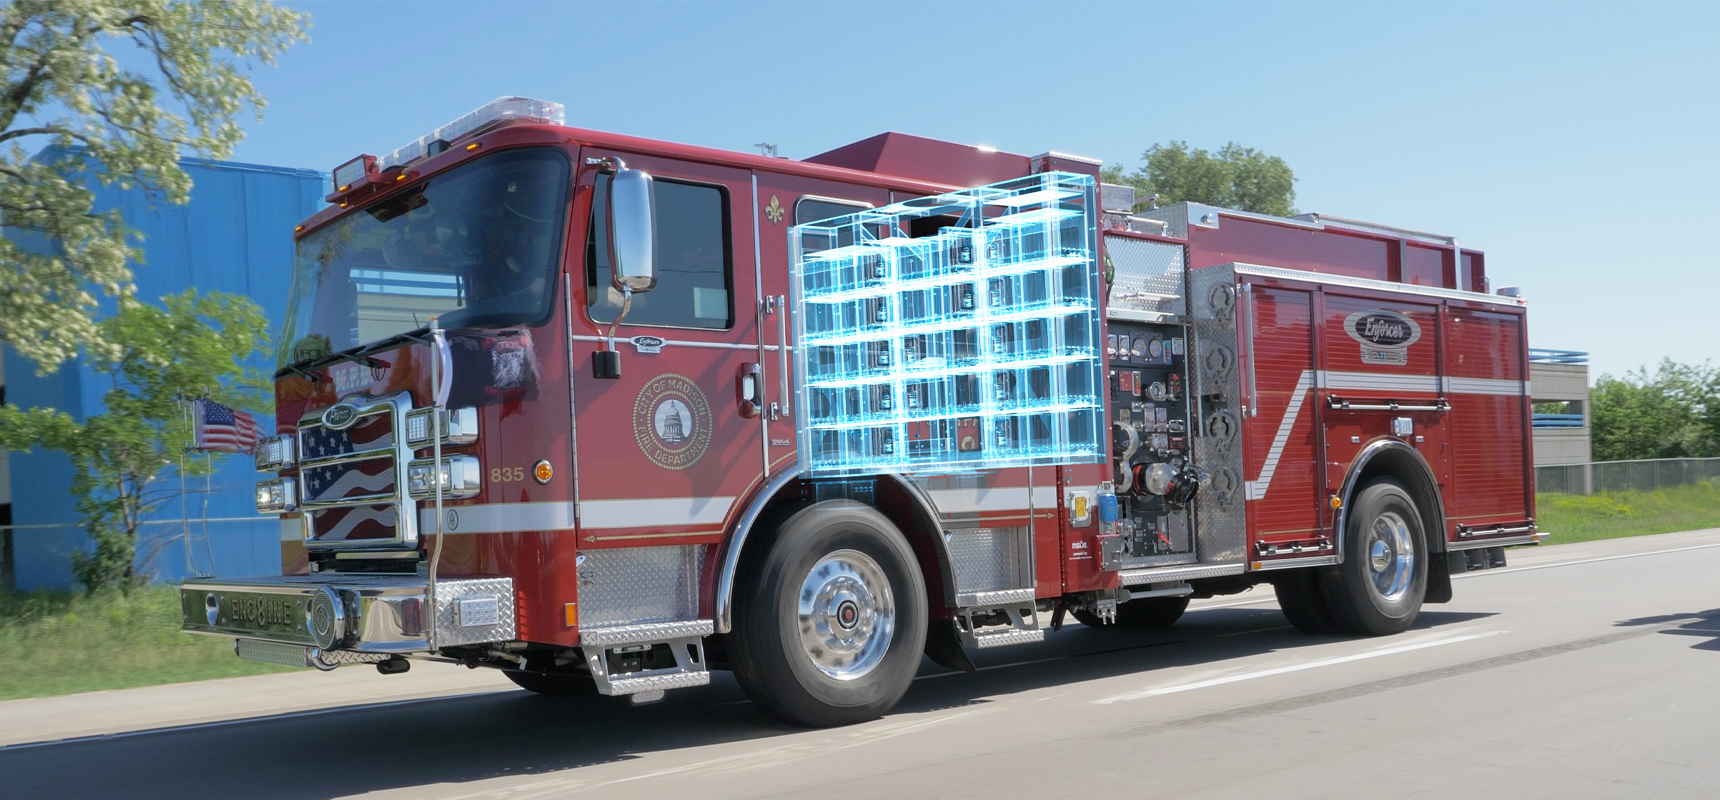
(672, 421)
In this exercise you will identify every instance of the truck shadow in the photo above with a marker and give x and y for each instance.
(1702, 624)
(470, 741)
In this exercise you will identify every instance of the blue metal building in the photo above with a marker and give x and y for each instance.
(235, 235)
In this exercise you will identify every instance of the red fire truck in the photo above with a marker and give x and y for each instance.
(537, 412)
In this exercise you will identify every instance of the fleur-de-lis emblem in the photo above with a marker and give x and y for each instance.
(774, 211)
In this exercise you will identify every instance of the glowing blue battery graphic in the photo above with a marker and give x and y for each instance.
(952, 332)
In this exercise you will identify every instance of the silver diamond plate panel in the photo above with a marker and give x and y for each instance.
(1175, 217)
(287, 655)
(990, 559)
(1136, 577)
(656, 683)
(1221, 521)
(994, 599)
(636, 585)
(449, 593)
(651, 632)
(335, 658)
(1007, 638)
(1149, 275)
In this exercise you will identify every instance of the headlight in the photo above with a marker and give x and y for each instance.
(460, 477)
(277, 496)
(459, 426)
(275, 453)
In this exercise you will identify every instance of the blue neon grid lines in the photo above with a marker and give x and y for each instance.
(950, 333)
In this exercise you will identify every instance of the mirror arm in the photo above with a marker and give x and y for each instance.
(626, 303)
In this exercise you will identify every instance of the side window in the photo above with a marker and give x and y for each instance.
(813, 209)
(695, 276)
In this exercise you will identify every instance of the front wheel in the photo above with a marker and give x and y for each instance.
(1379, 588)
(832, 621)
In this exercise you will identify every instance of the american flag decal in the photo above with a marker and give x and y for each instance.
(355, 522)
(218, 428)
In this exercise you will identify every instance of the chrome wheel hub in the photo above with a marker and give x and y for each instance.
(1391, 556)
(846, 614)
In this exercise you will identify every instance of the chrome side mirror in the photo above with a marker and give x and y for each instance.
(632, 238)
(632, 230)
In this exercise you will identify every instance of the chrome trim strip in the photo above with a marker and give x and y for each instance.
(648, 512)
(572, 404)
(764, 416)
(1293, 563)
(1504, 541)
(344, 458)
(646, 632)
(687, 343)
(1256, 489)
(1487, 386)
(722, 601)
(1377, 382)
(1366, 283)
(392, 611)
(1136, 577)
(501, 517)
(1001, 597)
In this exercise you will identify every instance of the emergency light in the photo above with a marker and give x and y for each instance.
(499, 110)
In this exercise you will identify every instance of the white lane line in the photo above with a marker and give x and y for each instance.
(1266, 673)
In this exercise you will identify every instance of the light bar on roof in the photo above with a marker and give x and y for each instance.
(501, 109)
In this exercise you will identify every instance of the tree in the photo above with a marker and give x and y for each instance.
(1673, 413)
(103, 121)
(1237, 177)
(161, 358)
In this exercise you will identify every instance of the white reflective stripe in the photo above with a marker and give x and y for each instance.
(1377, 381)
(1486, 386)
(293, 528)
(1256, 489)
(650, 512)
(499, 518)
(974, 499)
(1046, 496)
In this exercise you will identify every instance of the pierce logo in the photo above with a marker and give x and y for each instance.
(340, 415)
(1382, 329)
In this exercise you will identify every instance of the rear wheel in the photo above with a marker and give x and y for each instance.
(1142, 614)
(1379, 588)
(831, 625)
(552, 684)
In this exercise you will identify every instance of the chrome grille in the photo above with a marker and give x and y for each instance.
(349, 479)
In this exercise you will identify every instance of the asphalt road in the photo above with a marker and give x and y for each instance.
(1580, 671)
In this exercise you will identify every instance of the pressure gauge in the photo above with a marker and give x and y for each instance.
(1111, 345)
(1138, 346)
(1156, 348)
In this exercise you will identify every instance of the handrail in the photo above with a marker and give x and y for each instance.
(1388, 404)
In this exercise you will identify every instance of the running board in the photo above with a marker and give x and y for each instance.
(644, 661)
(985, 628)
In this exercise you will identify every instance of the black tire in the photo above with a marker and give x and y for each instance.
(1300, 597)
(1379, 588)
(857, 554)
(557, 685)
(1143, 614)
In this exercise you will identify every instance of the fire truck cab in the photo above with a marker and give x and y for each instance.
(541, 407)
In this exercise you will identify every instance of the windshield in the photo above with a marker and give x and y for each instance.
(476, 246)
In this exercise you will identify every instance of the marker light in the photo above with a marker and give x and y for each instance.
(354, 171)
(501, 109)
(274, 454)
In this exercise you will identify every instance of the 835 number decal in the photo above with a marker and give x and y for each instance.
(507, 474)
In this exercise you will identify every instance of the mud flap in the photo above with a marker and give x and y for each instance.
(944, 646)
(1438, 579)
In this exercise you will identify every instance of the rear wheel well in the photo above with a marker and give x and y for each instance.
(1407, 468)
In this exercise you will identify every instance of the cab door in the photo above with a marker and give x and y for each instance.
(665, 452)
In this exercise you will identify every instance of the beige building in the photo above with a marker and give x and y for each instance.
(1562, 437)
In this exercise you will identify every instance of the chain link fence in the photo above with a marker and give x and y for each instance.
(1618, 476)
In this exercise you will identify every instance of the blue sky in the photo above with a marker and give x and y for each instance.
(1576, 144)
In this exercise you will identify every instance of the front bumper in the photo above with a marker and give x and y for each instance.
(378, 615)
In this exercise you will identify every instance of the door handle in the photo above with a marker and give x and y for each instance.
(749, 390)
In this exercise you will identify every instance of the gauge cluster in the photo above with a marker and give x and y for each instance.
(1147, 373)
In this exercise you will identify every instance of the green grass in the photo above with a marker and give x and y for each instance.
(1611, 515)
(58, 643)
